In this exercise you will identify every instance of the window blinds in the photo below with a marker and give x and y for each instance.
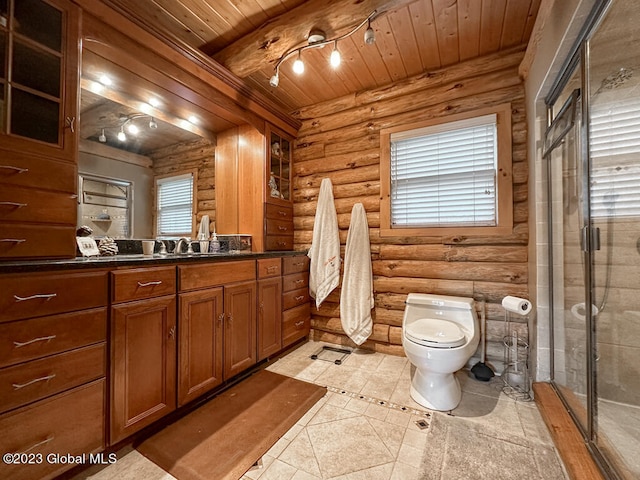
(445, 175)
(174, 200)
(615, 151)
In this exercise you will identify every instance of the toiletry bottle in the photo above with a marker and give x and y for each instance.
(214, 245)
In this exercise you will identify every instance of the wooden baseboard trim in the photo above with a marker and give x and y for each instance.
(567, 438)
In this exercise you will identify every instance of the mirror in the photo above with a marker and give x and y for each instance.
(132, 130)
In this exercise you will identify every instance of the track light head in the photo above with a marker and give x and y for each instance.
(369, 34)
(298, 65)
(102, 138)
(335, 56)
(275, 80)
(121, 135)
(153, 124)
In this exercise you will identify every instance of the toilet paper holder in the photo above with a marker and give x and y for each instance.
(515, 376)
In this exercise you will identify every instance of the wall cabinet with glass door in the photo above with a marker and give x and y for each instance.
(39, 49)
(279, 200)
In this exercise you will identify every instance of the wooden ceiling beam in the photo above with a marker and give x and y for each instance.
(265, 45)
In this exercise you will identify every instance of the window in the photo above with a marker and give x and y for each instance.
(174, 200)
(614, 144)
(448, 178)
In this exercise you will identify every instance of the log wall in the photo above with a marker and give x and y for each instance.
(185, 158)
(341, 140)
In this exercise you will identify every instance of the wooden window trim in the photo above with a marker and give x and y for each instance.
(504, 177)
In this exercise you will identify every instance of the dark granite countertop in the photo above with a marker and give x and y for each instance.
(128, 260)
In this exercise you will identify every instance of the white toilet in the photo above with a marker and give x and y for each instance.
(439, 335)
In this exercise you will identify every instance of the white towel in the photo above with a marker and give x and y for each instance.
(324, 271)
(203, 231)
(356, 297)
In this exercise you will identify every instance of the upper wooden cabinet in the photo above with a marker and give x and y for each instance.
(39, 50)
(254, 193)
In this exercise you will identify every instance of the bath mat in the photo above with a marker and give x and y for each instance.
(222, 439)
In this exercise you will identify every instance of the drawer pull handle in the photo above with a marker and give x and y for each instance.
(46, 296)
(299, 297)
(299, 281)
(282, 229)
(300, 323)
(298, 264)
(273, 268)
(282, 244)
(13, 240)
(280, 212)
(15, 169)
(150, 284)
(230, 318)
(13, 204)
(39, 339)
(172, 332)
(39, 444)
(18, 386)
(221, 318)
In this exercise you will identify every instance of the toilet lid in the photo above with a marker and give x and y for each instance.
(434, 332)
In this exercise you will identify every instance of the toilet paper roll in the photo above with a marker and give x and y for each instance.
(517, 305)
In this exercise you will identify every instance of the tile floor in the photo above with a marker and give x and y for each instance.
(366, 427)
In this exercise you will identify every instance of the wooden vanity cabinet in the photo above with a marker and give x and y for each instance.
(38, 128)
(296, 313)
(269, 307)
(143, 348)
(216, 324)
(53, 360)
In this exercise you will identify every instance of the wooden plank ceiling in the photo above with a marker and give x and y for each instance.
(412, 37)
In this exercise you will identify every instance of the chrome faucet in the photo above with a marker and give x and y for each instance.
(182, 241)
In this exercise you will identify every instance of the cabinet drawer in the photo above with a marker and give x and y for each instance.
(295, 281)
(36, 338)
(269, 267)
(214, 274)
(278, 242)
(296, 323)
(37, 379)
(278, 212)
(21, 204)
(69, 423)
(24, 241)
(139, 283)
(279, 227)
(294, 298)
(299, 263)
(17, 168)
(38, 294)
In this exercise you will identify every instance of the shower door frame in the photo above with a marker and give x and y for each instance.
(579, 58)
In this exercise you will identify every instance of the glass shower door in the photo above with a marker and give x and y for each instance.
(564, 162)
(614, 191)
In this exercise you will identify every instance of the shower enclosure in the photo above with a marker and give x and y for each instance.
(592, 155)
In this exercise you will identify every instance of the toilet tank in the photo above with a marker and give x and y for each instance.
(459, 310)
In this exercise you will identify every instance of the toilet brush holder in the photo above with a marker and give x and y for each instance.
(516, 354)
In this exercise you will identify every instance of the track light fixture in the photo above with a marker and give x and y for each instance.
(121, 135)
(317, 39)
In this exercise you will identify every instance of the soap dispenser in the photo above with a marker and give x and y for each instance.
(214, 244)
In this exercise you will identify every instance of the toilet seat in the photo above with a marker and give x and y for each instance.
(435, 333)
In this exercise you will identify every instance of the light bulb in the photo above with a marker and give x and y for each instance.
(369, 34)
(154, 102)
(275, 80)
(133, 129)
(153, 124)
(121, 135)
(193, 119)
(102, 138)
(335, 56)
(105, 80)
(298, 66)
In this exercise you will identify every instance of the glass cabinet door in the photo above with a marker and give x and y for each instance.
(37, 44)
(279, 164)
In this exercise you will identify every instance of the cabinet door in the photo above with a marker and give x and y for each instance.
(40, 47)
(143, 364)
(199, 343)
(240, 328)
(269, 317)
